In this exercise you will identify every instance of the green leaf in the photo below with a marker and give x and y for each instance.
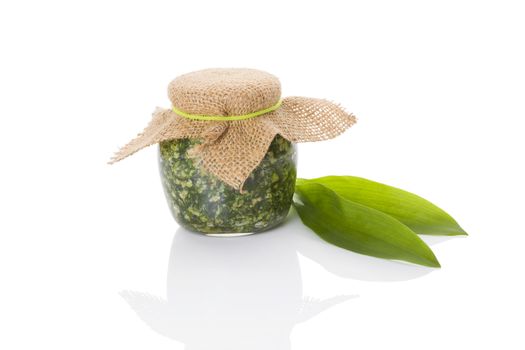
(415, 212)
(358, 228)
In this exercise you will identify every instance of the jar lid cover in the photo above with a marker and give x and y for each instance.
(224, 91)
(231, 149)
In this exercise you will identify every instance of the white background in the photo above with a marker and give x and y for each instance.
(90, 257)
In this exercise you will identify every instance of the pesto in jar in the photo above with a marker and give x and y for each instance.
(201, 202)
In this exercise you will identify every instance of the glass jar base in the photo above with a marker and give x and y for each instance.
(238, 234)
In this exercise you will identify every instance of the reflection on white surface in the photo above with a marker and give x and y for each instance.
(246, 292)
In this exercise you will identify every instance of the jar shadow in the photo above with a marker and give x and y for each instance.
(247, 292)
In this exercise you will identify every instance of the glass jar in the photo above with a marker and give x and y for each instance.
(201, 202)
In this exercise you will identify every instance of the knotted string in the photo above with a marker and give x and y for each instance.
(227, 117)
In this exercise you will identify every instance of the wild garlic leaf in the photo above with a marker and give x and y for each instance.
(417, 213)
(358, 228)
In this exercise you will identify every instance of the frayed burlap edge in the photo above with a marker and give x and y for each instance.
(231, 150)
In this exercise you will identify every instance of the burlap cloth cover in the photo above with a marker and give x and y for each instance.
(232, 149)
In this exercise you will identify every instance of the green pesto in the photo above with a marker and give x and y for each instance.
(201, 202)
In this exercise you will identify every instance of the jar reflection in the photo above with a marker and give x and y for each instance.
(231, 293)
